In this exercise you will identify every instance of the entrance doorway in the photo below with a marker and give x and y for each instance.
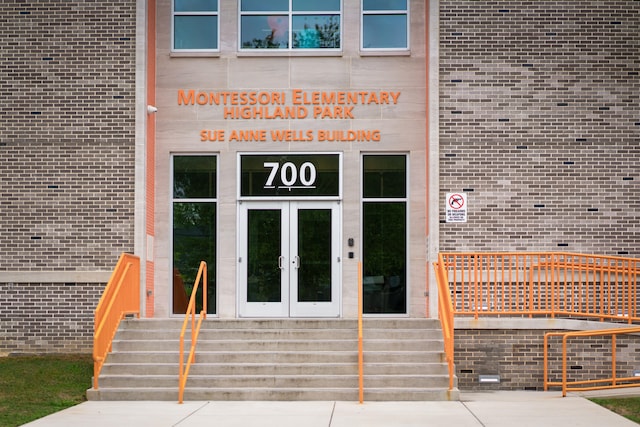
(289, 259)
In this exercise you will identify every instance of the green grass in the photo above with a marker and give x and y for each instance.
(628, 407)
(34, 386)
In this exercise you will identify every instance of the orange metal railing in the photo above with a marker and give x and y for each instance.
(121, 297)
(586, 385)
(543, 284)
(360, 345)
(195, 328)
(556, 284)
(445, 313)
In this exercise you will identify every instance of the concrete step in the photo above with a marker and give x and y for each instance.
(278, 334)
(278, 359)
(273, 369)
(285, 324)
(281, 357)
(267, 394)
(311, 343)
(278, 381)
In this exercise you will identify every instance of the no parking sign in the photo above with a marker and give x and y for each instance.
(456, 207)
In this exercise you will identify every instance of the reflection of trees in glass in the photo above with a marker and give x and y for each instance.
(325, 35)
(194, 177)
(266, 43)
(194, 240)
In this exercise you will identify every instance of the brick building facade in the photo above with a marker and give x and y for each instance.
(67, 134)
(532, 110)
(539, 123)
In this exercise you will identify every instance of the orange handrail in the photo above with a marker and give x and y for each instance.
(445, 314)
(360, 346)
(195, 329)
(545, 283)
(600, 384)
(121, 297)
(534, 284)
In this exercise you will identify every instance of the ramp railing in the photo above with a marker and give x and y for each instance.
(544, 284)
(613, 381)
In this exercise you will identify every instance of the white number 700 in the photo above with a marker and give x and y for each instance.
(289, 174)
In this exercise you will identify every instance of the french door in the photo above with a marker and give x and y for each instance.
(289, 259)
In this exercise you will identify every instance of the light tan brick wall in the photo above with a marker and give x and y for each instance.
(67, 91)
(517, 357)
(540, 125)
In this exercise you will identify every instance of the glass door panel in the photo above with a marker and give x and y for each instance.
(314, 255)
(263, 259)
(315, 278)
(263, 269)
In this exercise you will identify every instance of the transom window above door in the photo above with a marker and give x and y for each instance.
(290, 24)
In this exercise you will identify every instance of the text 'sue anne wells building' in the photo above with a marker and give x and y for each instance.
(286, 141)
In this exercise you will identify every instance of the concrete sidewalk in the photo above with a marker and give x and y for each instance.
(490, 409)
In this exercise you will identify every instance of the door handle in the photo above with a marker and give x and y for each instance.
(280, 259)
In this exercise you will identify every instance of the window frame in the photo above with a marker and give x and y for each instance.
(290, 16)
(406, 12)
(407, 232)
(215, 13)
(212, 266)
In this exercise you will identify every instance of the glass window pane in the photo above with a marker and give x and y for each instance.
(316, 5)
(316, 31)
(384, 257)
(384, 176)
(384, 31)
(195, 5)
(194, 240)
(384, 4)
(264, 6)
(314, 252)
(194, 177)
(265, 32)
(195, 32)
(263, 250)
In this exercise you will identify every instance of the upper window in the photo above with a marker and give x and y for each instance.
(385, 25)
(195, 25)
(290, 24)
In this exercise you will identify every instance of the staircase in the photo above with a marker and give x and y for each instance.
(283, 359)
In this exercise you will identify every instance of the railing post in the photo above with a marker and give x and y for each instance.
(564, 366)
(545, 361)
(360, 345)
(475, 283)
(613, 360)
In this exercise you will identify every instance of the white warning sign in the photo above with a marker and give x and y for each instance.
(456, 207)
